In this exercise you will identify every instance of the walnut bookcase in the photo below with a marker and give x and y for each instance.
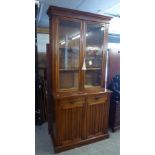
(78, 103)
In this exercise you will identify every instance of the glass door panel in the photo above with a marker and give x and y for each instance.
(69, 49)
(93, 54)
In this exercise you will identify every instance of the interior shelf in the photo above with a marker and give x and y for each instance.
(69, 69)
(93, 69)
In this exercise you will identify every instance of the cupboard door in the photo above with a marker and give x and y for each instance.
(70, 115)
(93, 54)
(97, 115)
(69, 51)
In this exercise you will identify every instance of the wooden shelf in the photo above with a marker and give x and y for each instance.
(91, 69)
(69, 48)
(69, 69)
(87, 69)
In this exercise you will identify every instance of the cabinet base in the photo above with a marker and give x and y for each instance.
(58, 149)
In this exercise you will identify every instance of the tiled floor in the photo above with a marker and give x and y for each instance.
(43, 144)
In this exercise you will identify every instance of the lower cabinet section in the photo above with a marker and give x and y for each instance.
(80, 120)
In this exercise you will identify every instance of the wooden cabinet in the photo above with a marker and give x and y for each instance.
(114, 112)
(78, 103)
(114, 70)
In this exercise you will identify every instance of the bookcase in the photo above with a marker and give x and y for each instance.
(78, 103)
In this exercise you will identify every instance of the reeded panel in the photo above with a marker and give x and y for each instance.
(96, 119)
(93, 55)
(69, 49)
(97, 116)
(70, 120)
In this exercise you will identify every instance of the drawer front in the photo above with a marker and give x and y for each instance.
(97, 99)
(71, 103)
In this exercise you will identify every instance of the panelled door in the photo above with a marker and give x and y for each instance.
(70, 120)
(96, 116)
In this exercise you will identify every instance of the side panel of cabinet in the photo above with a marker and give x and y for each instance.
(69, 120)
(97, 115)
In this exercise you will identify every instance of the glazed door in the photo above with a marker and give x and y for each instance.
(68, 54)
(93, 52)
(80, 54)
(96, 115)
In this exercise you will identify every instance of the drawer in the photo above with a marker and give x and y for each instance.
(71, 103)
(97, 99)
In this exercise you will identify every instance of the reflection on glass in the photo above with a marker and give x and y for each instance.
(69, 45)
(93, 58)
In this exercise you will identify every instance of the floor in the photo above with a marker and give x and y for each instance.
(43, 144)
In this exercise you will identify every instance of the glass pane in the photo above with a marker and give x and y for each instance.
(69, 46)
(92, 78)
(93, 56)
(68, 79)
